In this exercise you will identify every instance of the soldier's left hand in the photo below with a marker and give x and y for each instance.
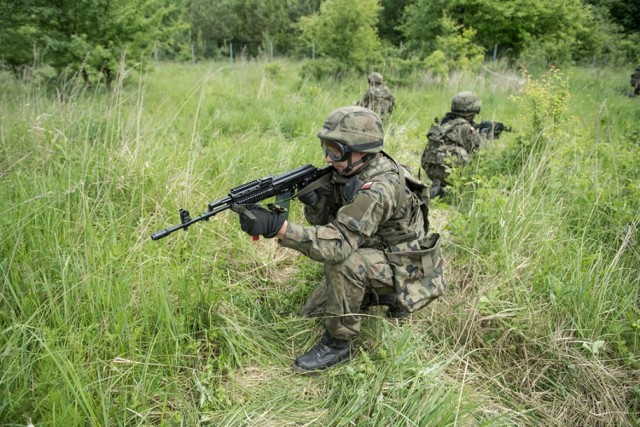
(256, 221)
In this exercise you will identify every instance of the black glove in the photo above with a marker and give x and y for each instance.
(255, 220)
(311, 198)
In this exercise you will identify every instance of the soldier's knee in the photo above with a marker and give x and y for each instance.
(349, 267)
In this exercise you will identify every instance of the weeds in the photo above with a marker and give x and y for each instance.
(101, 325)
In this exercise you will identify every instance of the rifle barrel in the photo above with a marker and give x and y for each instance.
(252, 192)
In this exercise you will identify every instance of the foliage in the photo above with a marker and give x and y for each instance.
(249, 25)
(89, 37)
(390, 19)
(345, 32)
(102, 326)
(455, 50)
(547, 100)
(560, 31)
(438, 65)
(624, 13)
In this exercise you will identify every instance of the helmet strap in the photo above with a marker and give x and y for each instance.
(351, 166)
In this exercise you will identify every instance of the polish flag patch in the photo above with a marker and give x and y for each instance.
(366, 185)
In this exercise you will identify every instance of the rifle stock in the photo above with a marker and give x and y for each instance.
(252, 192)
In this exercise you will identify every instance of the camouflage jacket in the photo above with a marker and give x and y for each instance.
(635, 77)
(454, 137)
(360, 211)
(378, 99)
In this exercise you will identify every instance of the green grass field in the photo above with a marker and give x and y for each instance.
(102, 326)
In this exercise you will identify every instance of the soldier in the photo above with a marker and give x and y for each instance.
(451, 142)
(378, 98)
(635, 81)
(369, 229)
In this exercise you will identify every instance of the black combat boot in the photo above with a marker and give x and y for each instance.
(436, 189)
(394, 310)
(397, 312)
(328, 352)
(367, 301)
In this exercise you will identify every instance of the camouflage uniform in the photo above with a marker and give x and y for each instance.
(451, 142)
(378, 98)
(635, 81)
(371, 239)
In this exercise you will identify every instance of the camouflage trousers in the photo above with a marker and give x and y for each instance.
(338, 297)
(437, 173)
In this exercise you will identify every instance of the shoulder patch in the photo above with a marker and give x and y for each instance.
(367, 185)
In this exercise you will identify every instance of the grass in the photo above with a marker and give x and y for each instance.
(102, 326)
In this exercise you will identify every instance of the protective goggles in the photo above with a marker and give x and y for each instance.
(337, 152)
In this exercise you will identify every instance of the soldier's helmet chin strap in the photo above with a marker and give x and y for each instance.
(351, 166)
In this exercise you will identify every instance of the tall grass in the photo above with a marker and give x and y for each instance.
(102, 326)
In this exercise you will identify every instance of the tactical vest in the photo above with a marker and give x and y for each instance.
(398, 228)
(379, 100)
(445, 145)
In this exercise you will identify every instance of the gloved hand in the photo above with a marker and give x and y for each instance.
(311, 198)
(255, 220)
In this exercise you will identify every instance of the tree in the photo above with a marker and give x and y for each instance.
(557, 30)
(622, 12)
(86, 36)
(390, 18)
(455, 50)
(248, 24)
(345, 32)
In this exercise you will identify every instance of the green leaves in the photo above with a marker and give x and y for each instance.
(345, 32)
(89, 36)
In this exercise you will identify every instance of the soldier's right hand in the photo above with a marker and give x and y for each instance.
(256, 221)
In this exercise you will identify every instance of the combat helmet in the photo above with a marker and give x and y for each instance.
(355, 128)
(375, 79)
(465, 103)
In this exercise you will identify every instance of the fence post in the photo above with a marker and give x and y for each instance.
(313, 51)
(230, 53)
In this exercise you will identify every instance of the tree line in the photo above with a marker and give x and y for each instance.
(91, 38)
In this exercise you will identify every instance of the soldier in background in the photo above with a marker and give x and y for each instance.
(451, 141)
(635, 81)
(368, 228)
(378, 98)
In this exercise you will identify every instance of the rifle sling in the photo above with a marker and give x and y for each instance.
(315, 185)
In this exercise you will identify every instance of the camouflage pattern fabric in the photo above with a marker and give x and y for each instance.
(379, 100)
(355, 127)
(349, 233)
(449, 145)
(635, 81)
(416, 288)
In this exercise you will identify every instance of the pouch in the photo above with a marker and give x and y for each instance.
(418, 275)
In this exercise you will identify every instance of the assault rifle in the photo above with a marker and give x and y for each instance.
(490, 129)
(283, 187)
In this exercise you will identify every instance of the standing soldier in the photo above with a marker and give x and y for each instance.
(378, 98)
(451, 141)
(369, 229)
(635, 81)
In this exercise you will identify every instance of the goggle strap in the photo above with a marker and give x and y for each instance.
(362, 147)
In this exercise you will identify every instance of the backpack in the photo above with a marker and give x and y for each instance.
(445, 145)
(380, 101)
